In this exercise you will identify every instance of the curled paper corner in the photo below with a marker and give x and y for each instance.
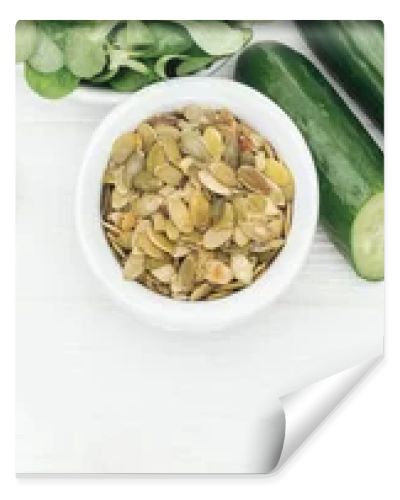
(304, 410)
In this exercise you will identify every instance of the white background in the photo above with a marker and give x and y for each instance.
(362, 466)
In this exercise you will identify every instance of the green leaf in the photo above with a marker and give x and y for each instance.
(26, 38)
(56, 30)
(216, 38)
(193, 64)
(169, 38)
(51, 85)
(128, 80)
(122, 58)
(245, 28)
(160, 67)
(138, 34)
(47, 57)
(105, 76)
(84, 52)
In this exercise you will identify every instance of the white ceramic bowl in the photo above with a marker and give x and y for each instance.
(268, 119)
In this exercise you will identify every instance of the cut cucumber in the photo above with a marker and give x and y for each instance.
(353, 52)
(349, 163)
(367, 238)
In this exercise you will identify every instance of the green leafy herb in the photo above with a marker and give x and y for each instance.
(128, 80)
(104, 76)
(26, 38)
(56, 30)
(216, 38)
(169, 38)
(51, 85)
(160, 68)
(85, 54)
(47, 57)
(138, 34)
(193, 64)
(122, 58)
(121, 55)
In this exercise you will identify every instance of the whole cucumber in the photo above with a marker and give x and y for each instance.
(353, 52)
(348, 161)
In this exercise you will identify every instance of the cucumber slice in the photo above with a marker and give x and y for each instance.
(367, 239)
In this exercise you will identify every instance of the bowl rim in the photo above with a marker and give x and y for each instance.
(203, 315)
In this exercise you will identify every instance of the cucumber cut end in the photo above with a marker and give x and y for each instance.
(367, 239)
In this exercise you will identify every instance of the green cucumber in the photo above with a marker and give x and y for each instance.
(348, 161)
(353, 52)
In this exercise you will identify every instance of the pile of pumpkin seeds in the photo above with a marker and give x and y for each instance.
(195, 204)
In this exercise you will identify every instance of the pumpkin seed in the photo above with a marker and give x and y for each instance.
(164, 273)
(164, 129)
(148, 204)
(123, 147)
(124, 240)
(213, 142)
(180, 251)
(217, 272)
(159, 221)
(201, 291)
(192, 144)
(155, 157)
(239, 237)
(133, 267)
(253, 180)
(145, 181)
(119, 200)
(147, 134)
(168, 174)
(199, 209)
(214, 238)
(179, 215)
(195, 114)
(195, 204)
(114, 229)
(171, 230)
(212, 184)
(160, 241)
(277, 172)
(260, 161)
(186, 273)
(223, 173)
(242, 268)
(133, 166)
(171, 148)
(148, 247)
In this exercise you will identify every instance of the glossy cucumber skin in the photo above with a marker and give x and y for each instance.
(348, 161)
(353, 51)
